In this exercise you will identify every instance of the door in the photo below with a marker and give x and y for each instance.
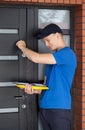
(18, 111)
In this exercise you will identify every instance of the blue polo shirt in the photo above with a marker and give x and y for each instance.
(59, 80)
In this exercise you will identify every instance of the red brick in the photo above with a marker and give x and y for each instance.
(78, 1)
(78, 20)
(83, 105)
(78, 26)
(83, 85)
(79, 92)
(78, 72)
(83, 118)
(78, 13)
(53, 1)
(83, 32)
(83, 26)
(60, 1)
(34, 0)
(41, 1)
(79, 52)
(78, 39)
(83, 98)
(83, 6)
(72, 1)
(27, 0)
(78, 7)
(78, 110)
(19, 0)
(78, 98)
(83, 72)
(83, 66)
(78, 84)
(78, 32)
(77, 106)
(79, 78)
(83, 79)
(78, 46)
(83, 91)
(79, 59)
(66, 1)
(83, 19)
(83, 52)
(83, 45)
(83, 39)
(78, 117)
(47, 1)
(78, 125)
(83, 125)
(4, 1)
(83, 13)
(83, 111)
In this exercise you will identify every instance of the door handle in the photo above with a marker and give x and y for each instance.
(23, 55)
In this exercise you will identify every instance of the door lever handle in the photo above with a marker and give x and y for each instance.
(23, 55)
(20, 97)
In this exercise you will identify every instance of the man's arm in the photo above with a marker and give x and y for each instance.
(46, 58)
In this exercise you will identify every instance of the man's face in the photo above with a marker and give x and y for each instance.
(51, 41)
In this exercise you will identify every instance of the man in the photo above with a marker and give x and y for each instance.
(55, 103)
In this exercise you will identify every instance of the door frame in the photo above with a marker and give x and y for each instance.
(32, 24)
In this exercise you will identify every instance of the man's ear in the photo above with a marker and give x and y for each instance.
(57, 34)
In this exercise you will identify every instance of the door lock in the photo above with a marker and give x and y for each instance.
(23, 106)
(20, 97)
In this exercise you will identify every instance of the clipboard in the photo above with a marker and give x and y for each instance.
(35, 86)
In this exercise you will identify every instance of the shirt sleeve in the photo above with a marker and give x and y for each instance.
(62, 57)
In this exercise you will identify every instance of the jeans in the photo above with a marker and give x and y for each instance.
(55, 119)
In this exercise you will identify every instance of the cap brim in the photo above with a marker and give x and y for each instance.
(41, 34)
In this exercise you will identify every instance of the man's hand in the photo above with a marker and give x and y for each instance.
(21, 44)
(28, 89)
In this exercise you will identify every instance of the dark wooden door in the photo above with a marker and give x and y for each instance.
(18, 111)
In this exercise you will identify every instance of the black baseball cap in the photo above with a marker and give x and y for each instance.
(47, 30)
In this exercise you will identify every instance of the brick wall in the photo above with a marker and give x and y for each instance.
(79, 81)
(83, 64)
(44, 1)
(78, 89)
